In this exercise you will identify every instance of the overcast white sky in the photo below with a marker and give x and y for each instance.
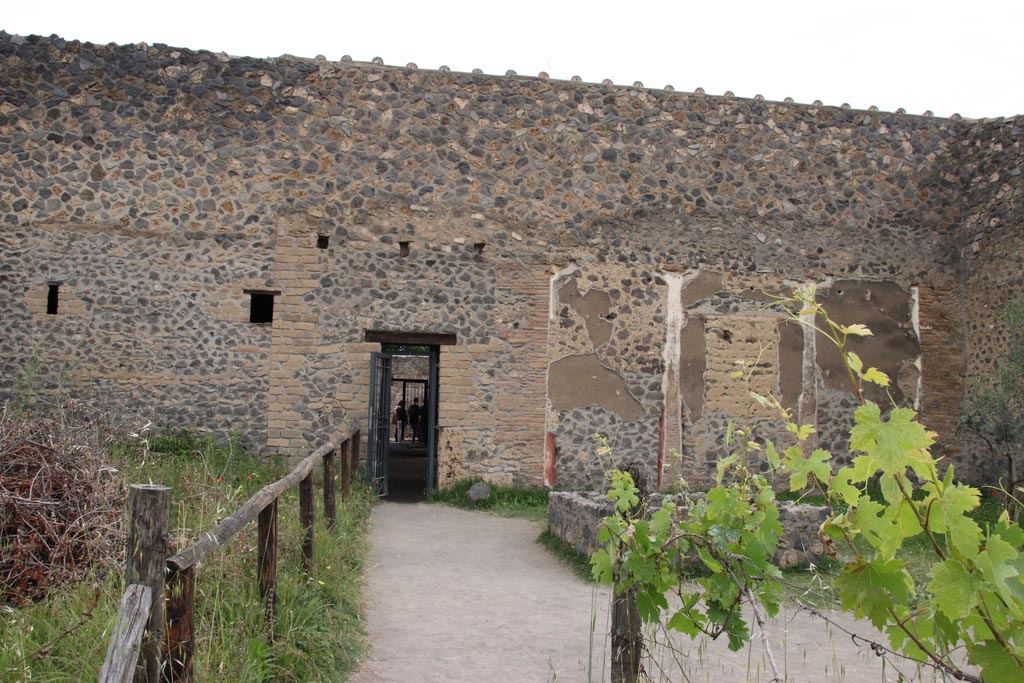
(965, 57)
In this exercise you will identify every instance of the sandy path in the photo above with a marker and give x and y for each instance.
(458, 596)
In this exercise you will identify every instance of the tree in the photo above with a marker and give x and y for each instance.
(994, 408)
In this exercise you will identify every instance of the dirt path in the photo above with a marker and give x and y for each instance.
(458, 596)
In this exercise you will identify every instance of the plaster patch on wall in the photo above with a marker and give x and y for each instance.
(700, 285)
(593, 307)
(581, 381)
(885, 308)
(692, 350)
(791, 363)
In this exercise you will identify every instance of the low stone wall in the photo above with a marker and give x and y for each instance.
(576, 517)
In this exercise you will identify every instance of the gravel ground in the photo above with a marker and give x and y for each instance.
(458, 596)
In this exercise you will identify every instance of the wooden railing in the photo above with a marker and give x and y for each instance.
(154, 637)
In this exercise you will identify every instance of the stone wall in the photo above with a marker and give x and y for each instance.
(600, 253)
(575, 518)
(992, 169)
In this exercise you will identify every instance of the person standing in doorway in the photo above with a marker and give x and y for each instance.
(403, 420)
(414, 418)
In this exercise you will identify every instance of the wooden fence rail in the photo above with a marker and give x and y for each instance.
(166, 648)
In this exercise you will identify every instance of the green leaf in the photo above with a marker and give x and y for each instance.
(955, 588)
(805, 431)
(890, 443)
(878, 529)
(772, 455)
(842, 486)
(856, 364)
(876, 376)
(856, 330)
(623, 492)
(998, 565)
(996, 664)
(601, 566)
(763, 400)
(870, 588)
(817, 463)
(949, 516)
(711, 563)
(688, 620)
(649, 603)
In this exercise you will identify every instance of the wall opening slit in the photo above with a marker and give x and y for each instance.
(52, 297)
(261, 306)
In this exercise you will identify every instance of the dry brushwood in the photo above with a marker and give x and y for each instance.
(60, 500)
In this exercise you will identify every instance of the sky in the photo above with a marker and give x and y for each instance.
(963, 57)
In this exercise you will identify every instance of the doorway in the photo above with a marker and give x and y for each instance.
(412, 439)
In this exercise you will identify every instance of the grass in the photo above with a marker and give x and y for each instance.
(578, 562)
(506, 501)
(317, 635)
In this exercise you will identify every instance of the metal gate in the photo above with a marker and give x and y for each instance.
(380, 423)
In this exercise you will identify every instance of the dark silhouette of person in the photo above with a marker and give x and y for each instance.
(424, 421)
(403, 420)
(414, 418)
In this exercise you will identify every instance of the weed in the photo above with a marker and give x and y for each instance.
(578, 562)
(507, 501)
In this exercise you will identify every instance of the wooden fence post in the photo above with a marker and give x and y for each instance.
(330, 505)
(626, 634)
(181, 625)
(149, 506)
(306, 519)
(123, 650)
(346, 467)
(266, 556)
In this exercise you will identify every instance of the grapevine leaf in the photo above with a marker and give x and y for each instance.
(641, 566)
(955, 588)
(875, 376)
(997, 563)
(841, 486)
(888, 442)
(711, 563)
(996, 664)
(856, 364)
(871, 518)
(649, 603)
(623, 492)
(601, 566)
(687, 620)
(870, 588)
(962, 533)
(772, 455)
(817, 463)
(856, 330)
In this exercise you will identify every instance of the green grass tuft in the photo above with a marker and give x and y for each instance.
(578, 562)
(507, 501)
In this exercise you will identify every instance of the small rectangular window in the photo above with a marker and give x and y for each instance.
(52, 298)
(323, 241)
(261, 306)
